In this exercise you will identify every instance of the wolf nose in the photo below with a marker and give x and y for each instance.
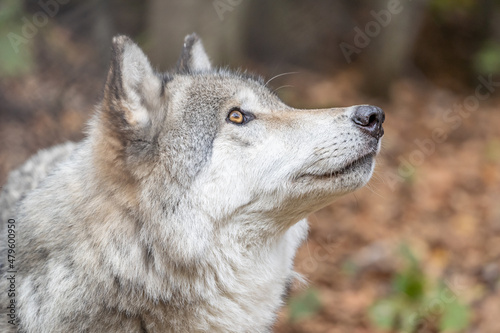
(369, 119)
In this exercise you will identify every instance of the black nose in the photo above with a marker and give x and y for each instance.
(369, 119)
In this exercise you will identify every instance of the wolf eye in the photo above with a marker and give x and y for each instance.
(239, 117)
(236, 116)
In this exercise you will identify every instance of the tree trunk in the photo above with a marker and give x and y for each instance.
(218, 22)
(387, 55)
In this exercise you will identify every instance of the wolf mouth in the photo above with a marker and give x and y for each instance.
(363, 160)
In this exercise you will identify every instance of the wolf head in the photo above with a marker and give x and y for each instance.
(223, 146)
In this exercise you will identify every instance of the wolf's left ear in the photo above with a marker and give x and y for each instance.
(193, 57)
(132, 87)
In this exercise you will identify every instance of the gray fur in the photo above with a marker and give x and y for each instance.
(168, 217)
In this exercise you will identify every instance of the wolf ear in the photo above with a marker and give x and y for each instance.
(193, 57)
(132, 88)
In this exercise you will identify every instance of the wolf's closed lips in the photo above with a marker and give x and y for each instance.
(363, 161)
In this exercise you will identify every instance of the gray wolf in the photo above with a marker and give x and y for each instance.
(182, 209)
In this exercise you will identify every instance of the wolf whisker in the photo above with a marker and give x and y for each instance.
(276, 76)
(285, 86)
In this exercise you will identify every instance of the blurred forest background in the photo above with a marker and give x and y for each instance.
(418, 250)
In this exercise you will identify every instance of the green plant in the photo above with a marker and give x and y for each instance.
(13, 63)
(304, 305)
(450, 5)
(487, 60)
(415, 302)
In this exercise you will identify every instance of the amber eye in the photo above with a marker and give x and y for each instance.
(236, 117)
